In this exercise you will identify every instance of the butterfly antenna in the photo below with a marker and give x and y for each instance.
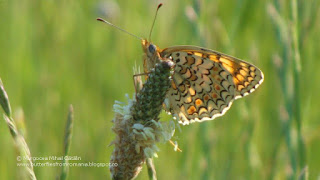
(154, 20)
(109, 23)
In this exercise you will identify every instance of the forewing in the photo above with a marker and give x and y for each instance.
(246, 76)
(206, 82)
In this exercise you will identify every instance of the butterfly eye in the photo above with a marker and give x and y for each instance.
(152, 48)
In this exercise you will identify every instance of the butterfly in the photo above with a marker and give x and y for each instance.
(204, 83)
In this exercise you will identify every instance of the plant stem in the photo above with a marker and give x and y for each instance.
(151, 169)
(21, 144)
(296, 71)
(67, 142)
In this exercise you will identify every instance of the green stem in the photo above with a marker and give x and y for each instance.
(283, 29)
(67, 142)
(21, 145)
(297, 69)
(151, 169)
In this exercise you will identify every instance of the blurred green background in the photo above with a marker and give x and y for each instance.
(54, 53)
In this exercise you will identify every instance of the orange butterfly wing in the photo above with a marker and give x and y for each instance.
(206, 82)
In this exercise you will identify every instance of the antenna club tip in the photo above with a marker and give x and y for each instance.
(99, 19)
(159, 5)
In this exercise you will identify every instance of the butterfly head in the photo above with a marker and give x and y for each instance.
(150, 49)
(151, 55)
